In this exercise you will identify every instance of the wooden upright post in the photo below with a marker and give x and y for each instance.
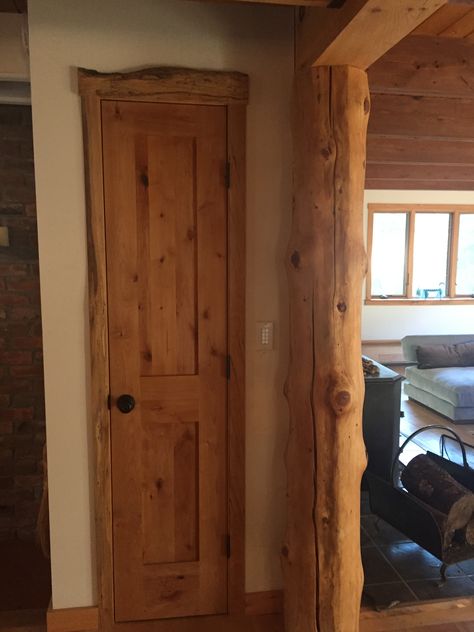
(325, 388)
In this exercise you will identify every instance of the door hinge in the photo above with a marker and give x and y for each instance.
(109, 401)
(227, 545)
(228, 366)
(227, 175)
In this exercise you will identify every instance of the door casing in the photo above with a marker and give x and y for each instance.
(166, 85)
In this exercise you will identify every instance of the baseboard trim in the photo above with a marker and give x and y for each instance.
(73, 620)
(266, 602)
(271, 603)
(87, 619)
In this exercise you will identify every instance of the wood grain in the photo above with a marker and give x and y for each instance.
(427, 172)
(99, 351)
(418, 185)
(169, 473)
(99, 336)
(236, 197)
(325, 37)
(326, 263)
(167, 84)
(420, 151)
(426, 66)
(265, 602)
(452, 615)
(453, 253)
(73, 620)
(421, 130)
(442, 19)
(430, 117)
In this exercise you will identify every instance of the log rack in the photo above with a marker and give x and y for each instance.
(413, 517)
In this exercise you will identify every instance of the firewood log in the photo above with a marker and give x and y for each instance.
(470, 532)
(428, 481)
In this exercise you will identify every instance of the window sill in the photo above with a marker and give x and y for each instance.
(419, 301)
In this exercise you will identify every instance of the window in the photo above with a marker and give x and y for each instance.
(420, 253)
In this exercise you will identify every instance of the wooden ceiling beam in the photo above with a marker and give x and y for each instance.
(359, 33)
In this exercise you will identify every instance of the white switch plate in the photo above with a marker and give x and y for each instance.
(265, 330)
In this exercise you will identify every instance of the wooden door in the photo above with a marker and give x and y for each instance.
(166, 241)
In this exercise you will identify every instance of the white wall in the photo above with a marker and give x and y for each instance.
(119, 35)
(387, 322)
(13, 51)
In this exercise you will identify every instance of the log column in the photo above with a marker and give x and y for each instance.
(325, 388)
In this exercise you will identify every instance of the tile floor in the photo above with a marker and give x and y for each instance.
(399, 571)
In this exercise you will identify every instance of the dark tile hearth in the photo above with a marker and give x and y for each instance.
(398, 571)
(412, 562)
(386, 595)
(454, 587)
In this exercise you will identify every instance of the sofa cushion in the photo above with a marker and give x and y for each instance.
(436, 356)
(453, 384)
(411, 342)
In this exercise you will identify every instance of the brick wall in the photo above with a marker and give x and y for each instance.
(22, 425)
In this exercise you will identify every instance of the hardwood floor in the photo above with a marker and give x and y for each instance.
(418, 416)
(25, 577)
(23, 621)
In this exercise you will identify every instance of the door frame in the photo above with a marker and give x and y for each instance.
(166, 85)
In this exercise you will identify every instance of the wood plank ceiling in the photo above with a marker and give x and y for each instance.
(421, 131)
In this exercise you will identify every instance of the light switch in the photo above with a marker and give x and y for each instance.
(4, 238)
(265, 335)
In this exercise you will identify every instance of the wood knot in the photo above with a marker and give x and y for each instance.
(340, 394)
(366, 105)
(295, 259)
(341, 306)
(284, 551)
(326, 153)
(342, 399)
(144, 179)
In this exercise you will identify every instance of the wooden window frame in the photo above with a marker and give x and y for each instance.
(166, 85)
(451, 298)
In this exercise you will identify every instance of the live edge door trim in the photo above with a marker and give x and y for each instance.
(165, 85)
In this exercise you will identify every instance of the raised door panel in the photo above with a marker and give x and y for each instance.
(166, 227)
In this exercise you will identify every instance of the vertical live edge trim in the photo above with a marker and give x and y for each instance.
(99, 359)
(326, 264)
(236, 196)
(90, 85)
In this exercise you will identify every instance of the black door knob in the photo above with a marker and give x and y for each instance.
(125, 403)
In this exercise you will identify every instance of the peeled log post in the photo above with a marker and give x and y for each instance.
(325, 388)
